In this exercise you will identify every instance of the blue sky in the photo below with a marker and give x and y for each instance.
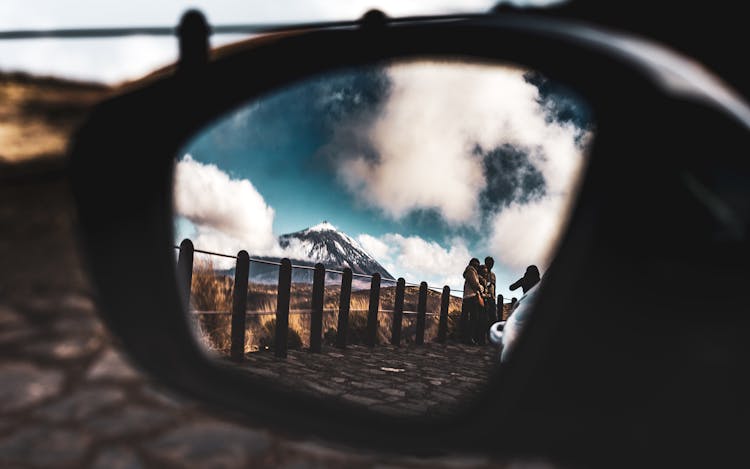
(282, 145)
(379, 153)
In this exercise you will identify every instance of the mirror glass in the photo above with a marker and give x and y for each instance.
(326, 231)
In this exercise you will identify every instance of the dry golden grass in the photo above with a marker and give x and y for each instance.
(37, 115)
(213, 292)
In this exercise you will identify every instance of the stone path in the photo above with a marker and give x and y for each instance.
(433, 380)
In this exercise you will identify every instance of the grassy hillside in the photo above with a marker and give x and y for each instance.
(213, 292)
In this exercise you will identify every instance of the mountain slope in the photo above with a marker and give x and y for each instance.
(325, 244)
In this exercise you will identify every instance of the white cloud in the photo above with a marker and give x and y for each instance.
(374, 246)
(228, 214)
(417, 259)
(435, 116)
(527, 234)
(425, 138)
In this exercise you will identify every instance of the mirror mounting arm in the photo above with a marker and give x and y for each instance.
(373, 20)
(192, 33)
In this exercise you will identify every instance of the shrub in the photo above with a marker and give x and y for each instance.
(211, 292)
(208, 291)
(453, 331)
(357, 328)
(329, 336)
(267, 337)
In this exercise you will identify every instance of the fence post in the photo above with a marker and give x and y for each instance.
(282, 308)
(372, 312)
(239, 305)
(398, 312)
(316, 315)
(444, 303)
(346, 294)
(500, 308)
(421, 313)
(185, 270)
(513, 302)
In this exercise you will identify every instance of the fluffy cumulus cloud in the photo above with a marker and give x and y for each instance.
(374, 246)
(431, 147)
(228, 214)
(524, 234)
(417, 259)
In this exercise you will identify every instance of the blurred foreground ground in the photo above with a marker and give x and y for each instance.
(68, 398)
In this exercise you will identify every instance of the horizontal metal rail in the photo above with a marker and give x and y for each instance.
(296, 311)
(249, 28)
(312, 268)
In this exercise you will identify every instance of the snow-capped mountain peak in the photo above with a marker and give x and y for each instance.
(324, 226)
(324, 243)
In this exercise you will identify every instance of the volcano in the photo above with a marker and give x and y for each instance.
(322, 243)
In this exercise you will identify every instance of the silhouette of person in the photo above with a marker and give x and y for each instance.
(529, 279)
(481, 325)
(490, 302)
(471, 301)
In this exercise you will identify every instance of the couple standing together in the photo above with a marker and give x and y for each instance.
(478, 310)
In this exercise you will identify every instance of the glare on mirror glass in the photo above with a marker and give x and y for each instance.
(430, 195)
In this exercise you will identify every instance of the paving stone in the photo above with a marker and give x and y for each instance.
(64, 349)
(24, 385)
(359, 399)
(414, 407)
(322, 389)
(304, 455)
(393, 392)
(263, 372)
(445, 462)
(9, 317)
(111, 365)
(79, 325)
(127, 420)
(5, 424)
(44, 446)
(452, 392)
(81, 404)
(163, 398)
(78, 302)
(117, 458)
(16, 335)
(210, 444)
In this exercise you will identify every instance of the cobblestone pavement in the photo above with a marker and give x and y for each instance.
(69, 398)
(432, 379)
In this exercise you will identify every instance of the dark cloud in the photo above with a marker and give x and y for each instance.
(349, 104)
(301, 118)
(562, 103)
(510, 177)
(348, 95)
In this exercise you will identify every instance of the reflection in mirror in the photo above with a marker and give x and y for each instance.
(327, 230)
